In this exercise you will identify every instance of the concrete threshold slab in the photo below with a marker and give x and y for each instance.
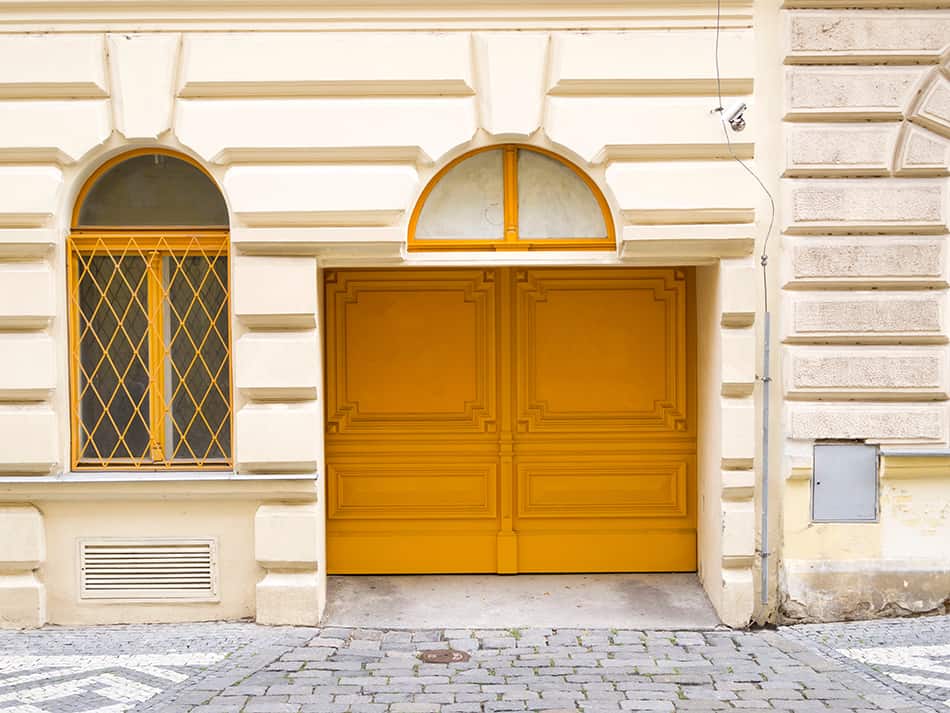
(586, 601)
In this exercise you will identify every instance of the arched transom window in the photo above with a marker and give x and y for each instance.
(511, 197)
(150, 338)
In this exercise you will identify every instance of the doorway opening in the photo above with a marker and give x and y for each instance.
(510, 420)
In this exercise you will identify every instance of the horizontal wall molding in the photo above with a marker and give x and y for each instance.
(685, 244)
(876, 423)
(47, 15)
(337, 242)
(872, 317)
(866, 36)
(865, 262)
(633, 128)
(322, 195)
(866, 373)
(683, 192)
(27, 72)
(418, 129)
(865, 4)
(26, 243)
(326, 64)
(914, 466)
(865, 205)
(160, 486)
(586, 64)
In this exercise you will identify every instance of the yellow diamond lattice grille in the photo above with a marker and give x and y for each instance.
(151, 350)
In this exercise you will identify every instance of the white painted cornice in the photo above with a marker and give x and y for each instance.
(865, 4)
(73, 15)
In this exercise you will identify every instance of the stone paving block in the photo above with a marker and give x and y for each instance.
(270, 670)
(647, 705)
(326, 641)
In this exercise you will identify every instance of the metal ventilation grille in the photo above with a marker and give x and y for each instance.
(148, 569)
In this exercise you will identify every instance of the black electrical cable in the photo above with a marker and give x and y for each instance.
(764, 257)
(765, 378)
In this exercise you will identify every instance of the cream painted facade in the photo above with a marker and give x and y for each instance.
(864, 215)
(322, 126)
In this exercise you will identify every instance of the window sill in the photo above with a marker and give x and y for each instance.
(177, 485)
(189, 476)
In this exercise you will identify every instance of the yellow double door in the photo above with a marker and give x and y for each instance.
(510, 420)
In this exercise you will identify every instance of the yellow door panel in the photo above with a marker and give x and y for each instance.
(587, 488)
(634, 514)
(398, 490)
(602, 357)
(412, 351)
(409, 552)
(510, 420)
(601, 350)
(412, 455)
(389, 375)
(633, 551)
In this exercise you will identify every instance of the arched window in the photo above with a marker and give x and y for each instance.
(511, 197)
(150, 338)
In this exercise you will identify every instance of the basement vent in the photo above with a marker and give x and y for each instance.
(148, 569)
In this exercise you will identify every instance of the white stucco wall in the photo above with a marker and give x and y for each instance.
(322, 127)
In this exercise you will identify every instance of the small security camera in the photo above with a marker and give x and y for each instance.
(736, 116)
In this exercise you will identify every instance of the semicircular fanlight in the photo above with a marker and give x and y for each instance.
(152, 190)
(511, 197)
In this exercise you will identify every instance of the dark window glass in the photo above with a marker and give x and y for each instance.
(153, 389)
(113, 344)
(153, 190)
(199, 387)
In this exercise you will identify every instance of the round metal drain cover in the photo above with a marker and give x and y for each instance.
(443, 656)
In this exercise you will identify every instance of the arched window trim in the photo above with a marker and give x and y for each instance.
(111, 163)
(511, 239)
(154, 244)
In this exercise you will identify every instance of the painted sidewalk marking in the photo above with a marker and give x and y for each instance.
(100, 676)
(915, 658)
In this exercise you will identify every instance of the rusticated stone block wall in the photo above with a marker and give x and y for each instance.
(865, 217)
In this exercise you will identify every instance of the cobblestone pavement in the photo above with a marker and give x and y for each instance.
(232, 667)
(910, 655)
(109, 669)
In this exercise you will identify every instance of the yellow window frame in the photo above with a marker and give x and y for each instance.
(511, 239)
(152, 244)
